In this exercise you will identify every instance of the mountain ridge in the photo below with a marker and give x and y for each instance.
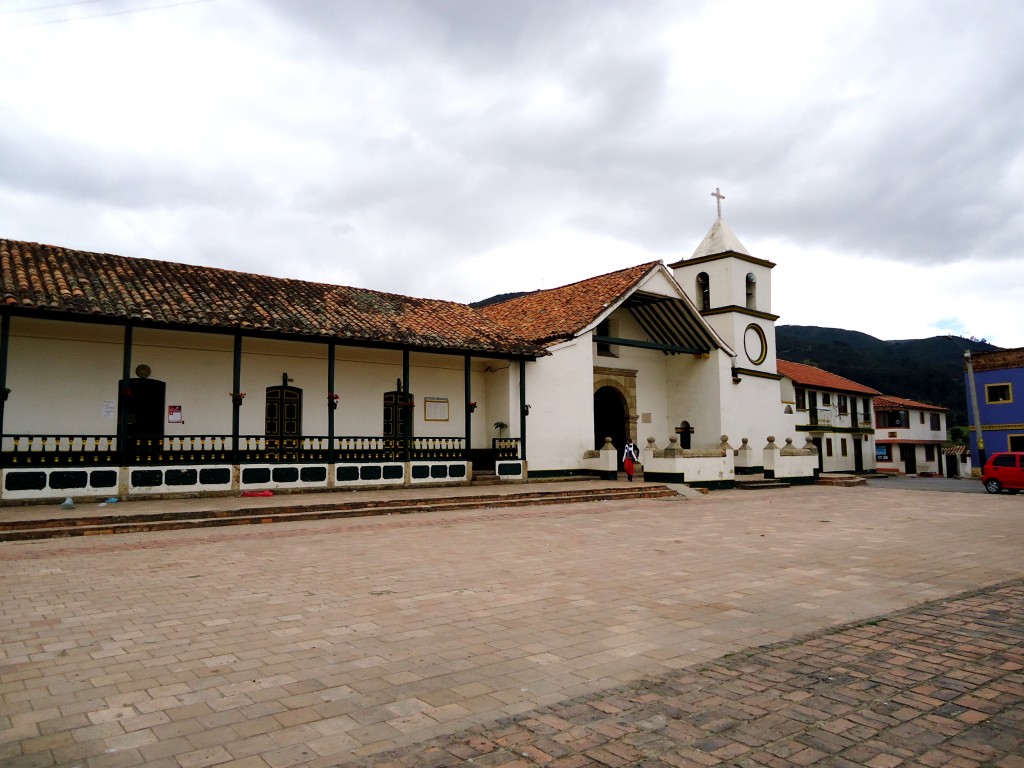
(926, 370)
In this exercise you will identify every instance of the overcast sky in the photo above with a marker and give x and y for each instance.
(457, 149)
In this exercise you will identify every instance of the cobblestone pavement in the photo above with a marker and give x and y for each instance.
(939, 685)
(333, 642)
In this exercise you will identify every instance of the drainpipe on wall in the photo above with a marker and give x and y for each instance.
(5, 342)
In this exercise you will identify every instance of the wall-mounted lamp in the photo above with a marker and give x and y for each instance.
(526, 410)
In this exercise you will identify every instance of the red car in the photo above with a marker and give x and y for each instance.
(1004, 471)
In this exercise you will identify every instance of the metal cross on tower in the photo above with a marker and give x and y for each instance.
(720, 197)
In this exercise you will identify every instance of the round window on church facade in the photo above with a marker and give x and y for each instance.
(754, 344)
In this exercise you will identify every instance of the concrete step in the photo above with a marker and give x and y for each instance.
(485, 478)
(842, 481)
(57, 527)
(760, 485)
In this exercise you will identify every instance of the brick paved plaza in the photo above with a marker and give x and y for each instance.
(572, 635)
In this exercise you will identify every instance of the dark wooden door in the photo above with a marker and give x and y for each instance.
(142, 404)
(908, 455)
(284, 422)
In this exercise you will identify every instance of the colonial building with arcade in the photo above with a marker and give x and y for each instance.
(136, 378)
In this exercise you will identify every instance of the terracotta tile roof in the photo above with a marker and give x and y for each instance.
(888, 402)
(809, 376)
(558, 314)
(45, 278)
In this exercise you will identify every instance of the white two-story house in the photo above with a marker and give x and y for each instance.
(909, 436)
(835, 412)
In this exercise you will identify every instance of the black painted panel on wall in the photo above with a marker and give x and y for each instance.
(216, 476)
(69, 479)
(394, 471)
(347, 473)
(510, 469)
(369, 473)
(313, 474)
(438, 470)
(103, 478)
(181, 477)
(420, 471)
(25, 481)
(286, 474)
(457, 470)
(256, 475)
(146, 478)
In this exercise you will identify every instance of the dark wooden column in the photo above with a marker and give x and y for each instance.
(468, 392)
(122, 410)
(522, 408)
(331, 404)
(5, 344)
(407, 436)
(236, 403)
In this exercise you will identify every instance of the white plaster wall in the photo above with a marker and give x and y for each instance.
(725, 327)
(764, 289)
(918, 431)
(795, 466)
(60, 375)
(439, 376)
(870, 458)
(694, 392)
(753, 409)
(658, 282)
(263, 363)
(559, 389)
(723, 276)
(196, 369)
(497, 403)
(361, 377)
(651, 368)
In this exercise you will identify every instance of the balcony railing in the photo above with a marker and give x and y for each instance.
(103, 450)
(821, 417)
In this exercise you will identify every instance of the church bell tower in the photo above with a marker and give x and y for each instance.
(733, 291)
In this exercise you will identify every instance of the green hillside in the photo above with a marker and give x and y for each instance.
(926, 370)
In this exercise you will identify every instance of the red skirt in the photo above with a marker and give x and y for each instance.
(628, 464)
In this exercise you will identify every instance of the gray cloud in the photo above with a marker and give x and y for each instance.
(392, 144)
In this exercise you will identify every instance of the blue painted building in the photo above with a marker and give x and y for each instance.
(999, 390)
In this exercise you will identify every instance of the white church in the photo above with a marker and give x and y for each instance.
(137, 378)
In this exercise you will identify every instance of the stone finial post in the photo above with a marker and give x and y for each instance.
(744, 455)
(770, 452)
(609, 460)
(650, 451)
(809, 445)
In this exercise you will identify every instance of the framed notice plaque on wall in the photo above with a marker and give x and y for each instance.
(435, 409)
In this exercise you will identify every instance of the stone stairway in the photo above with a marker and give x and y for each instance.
(485, 477)
(291, 509)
